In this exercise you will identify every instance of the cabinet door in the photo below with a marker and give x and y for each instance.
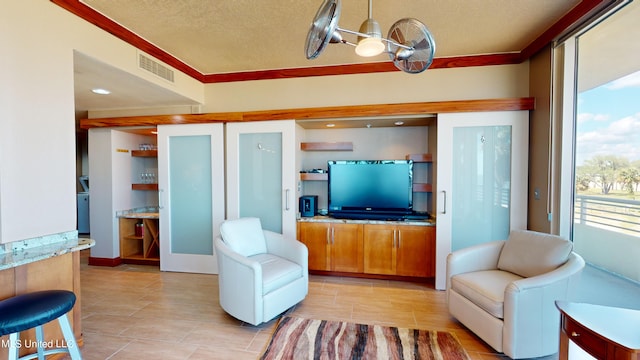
(347, 248)
(316, 237)
(415, 251)
(380, 249)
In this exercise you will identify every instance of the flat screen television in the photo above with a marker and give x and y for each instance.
(370, 189)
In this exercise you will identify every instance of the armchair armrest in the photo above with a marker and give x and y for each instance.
(572, 266)
(230, 255)
(241, 283)
(474, 258)
(290, 249)
(529, 307)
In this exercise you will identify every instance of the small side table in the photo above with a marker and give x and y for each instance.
(602, 331)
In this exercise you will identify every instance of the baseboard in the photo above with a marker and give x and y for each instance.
(96, 261)
(151, 261)
(426, 280)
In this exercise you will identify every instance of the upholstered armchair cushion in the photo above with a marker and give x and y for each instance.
(528, 253)
(244, 236)
(485, 289)
(259, 287)
(276, 271)
(513, 313)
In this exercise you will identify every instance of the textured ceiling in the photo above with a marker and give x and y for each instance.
(216, 37)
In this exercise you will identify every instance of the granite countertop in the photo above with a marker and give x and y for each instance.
(147, 212)
(430, 222)
(140, 216)
(25, 252)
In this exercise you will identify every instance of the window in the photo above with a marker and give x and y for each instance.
(601, 120)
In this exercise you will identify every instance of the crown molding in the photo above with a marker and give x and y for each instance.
(584, 10)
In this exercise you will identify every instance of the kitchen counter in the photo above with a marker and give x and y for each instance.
(148, 212)
(44, 263)
(25, 252)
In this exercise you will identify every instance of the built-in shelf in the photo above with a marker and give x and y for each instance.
(144, 187)
(314, 176)
(326, 146)
(422, 187)
(144, 153)
(421, 158)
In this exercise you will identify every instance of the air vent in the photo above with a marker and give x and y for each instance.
(155, 67)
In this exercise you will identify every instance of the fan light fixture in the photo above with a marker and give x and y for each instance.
(409, 43)
(370, 45)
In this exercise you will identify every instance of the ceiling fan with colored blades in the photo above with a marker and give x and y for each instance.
(409, 43)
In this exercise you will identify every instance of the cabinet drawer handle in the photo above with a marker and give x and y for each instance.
(395, 238)
(574, 334)
(328, 234)
(287, 193)
(333, 236)
(444, 202)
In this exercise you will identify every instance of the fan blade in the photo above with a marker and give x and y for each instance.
(323, 28)
(397, 36)
(422, 45)
(418, 66)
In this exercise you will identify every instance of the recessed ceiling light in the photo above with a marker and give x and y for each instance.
(399, 123)
(100, 91)
(331, 125)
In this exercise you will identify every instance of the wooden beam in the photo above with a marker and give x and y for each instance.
(331, 112)
(154, 120)
(366, 68)
(419, 108)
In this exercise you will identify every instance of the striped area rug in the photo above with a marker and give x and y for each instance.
(297, 338)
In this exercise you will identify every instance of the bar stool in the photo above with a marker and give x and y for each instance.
(32, 310)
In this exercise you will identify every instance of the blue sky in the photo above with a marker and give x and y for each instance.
(609, 120)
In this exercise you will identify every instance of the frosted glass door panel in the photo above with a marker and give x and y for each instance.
(480, 197)
(190, 194)
(192, 206)
(481, 181)
(261, 173)
(261, 178)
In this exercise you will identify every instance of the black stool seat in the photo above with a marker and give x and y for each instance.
(23, 312)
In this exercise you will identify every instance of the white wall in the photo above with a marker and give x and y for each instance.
(368, 144)
(37, 124)
(111, 173)
(487, 82)
(100, 196)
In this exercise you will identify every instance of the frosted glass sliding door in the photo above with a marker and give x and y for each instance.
(261, 175)
(481, 183)
(190, 160)
(261, 178)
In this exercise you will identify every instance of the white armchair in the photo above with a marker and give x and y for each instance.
(505, 291)
(261, 273)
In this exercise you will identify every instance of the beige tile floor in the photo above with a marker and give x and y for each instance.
(138, 312)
